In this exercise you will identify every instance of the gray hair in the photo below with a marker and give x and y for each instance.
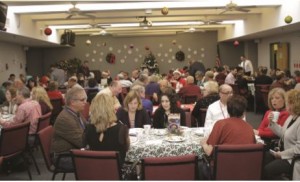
(24, 91)
(138, 88)
(72, 94)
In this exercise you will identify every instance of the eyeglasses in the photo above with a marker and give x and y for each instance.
(81, 100)
(227, 93)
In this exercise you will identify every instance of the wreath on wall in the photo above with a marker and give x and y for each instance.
(110, 58)
(180, 56)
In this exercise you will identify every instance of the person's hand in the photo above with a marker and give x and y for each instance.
(255, 131)
(155, 97)
(270, 116)
(277, 155)
(203, 141)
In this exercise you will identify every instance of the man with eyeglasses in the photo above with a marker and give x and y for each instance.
(218, 109)
(69, 126)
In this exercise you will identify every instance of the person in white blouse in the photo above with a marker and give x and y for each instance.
(218, 109)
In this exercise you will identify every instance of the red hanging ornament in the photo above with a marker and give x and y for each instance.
(48, 31)
(236, 43)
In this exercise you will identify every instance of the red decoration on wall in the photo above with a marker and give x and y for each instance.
(236, 43)
(48, 31)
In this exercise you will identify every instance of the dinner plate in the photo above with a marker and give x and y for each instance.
(184, 127)
(133, 139)
(175, 139)
(199, 132)
(5, 116)
(135, 131)
(160, 132)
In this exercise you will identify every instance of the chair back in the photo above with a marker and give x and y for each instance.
(13, 140)
(170, 168)
(43, 121)
(57, 108)
(188, 119)
(261, 96)
(45, 138)
(96, 165)
(202, 117)
(189, 99)
(238, 162)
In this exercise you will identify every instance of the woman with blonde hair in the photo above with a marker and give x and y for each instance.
(132, 113)
(105, 133)
(276, 102)
(40, 95)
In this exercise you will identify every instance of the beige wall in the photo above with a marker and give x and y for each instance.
(196, 46)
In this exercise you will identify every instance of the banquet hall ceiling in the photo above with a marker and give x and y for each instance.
(195, 16)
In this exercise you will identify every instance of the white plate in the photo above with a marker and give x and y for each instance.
(133, 139)
(199, 132)
(135, 131)
(175, 139)
(159, 132)
(184, 127)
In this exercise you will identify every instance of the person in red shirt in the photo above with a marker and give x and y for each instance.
(53, 91)
(233, 130)
(190, 88)
(276, 102)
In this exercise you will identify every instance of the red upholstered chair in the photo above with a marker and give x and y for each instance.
(13, 142)
(238, 162)
(45, 137)
(170, 168)
(261, 97)
(43, 122)
(96, 165)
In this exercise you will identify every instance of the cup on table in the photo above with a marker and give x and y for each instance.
(4, 110)
(275, 116)
(147, 128)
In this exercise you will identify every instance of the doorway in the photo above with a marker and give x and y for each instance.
(279, 56)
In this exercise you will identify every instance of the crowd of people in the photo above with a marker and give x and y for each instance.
(122, 102)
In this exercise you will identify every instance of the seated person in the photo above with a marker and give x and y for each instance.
(147, 104)
(31, 83)
(276, 102)
(92, 89)
(132, 113)
(53, 92)
(105, 133)
(69, 127)
(210, 95)
(233, 130)
(168, 105)
(10, 102)
(218, 110)
(28, 111)
(40, 95)
(190, 89)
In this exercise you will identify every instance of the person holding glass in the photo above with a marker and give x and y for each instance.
(290, 135)
(276, 102)
(132, 113)
(167, 106)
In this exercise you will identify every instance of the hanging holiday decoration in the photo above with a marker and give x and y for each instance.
(150, 63)
(180, 56)
(131, 46)
(174, 42)
(164, 11)
(88, 42)
(147, 48)
(236, 43)
(288, 19)
(110, 58)
(48, 31)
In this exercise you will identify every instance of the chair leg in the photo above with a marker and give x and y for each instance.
(53, 176)
(28, 169)
(64, 176)
(34, 162)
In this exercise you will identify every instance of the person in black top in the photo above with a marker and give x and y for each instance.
(105, 133)
(132, 113)
(262, 77)
(168, 105)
